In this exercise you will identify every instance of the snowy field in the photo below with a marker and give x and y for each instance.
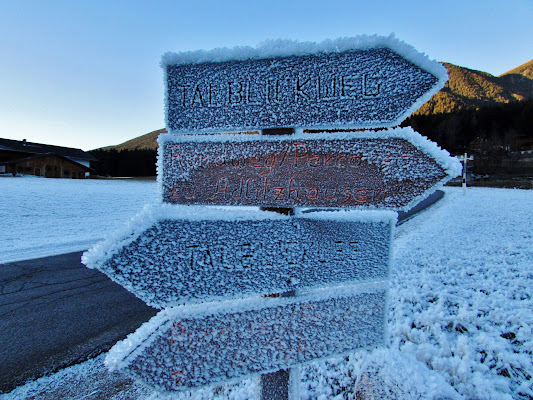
(461, 305)
(43, 217)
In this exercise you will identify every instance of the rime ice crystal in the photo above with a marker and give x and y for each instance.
(353, 82)
(192, 346)
(177, 260)
(390, 169)
(208, 254)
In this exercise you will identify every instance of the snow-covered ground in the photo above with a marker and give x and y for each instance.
(461, 308)
(42, 217)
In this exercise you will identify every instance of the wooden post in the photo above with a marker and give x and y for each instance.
(276, 385)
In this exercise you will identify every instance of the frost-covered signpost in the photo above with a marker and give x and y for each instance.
(210, 268)
(312, 170)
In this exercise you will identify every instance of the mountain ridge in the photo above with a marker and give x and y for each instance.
(525, 69)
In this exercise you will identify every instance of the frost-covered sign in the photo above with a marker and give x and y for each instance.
(188, 347)
(390, 169)
(209, 267)
(352, 82)
(173, 255)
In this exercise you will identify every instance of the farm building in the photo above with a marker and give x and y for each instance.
(23, 157)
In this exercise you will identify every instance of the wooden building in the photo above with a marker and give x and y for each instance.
(27, 158)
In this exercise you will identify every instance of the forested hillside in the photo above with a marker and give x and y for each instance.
(144, 142)
(495, 135)
(471, 89)
(114, 162)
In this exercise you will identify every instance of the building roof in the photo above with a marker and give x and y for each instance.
(37, 156)
(22, 146)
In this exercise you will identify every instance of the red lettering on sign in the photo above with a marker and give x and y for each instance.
(179, 325)
(175, 190)
(356, 160)
(327, 159)
(379, 195)
(313, 161)
(170, 343)
(255, 161)
(279, 192)
(339, 158)
(222, 187)
(190, 193)
(386, 162)
(285, 155)
(291, 190)
(238, 163)
(177, 376)
(299, 155)
(221, 160)
(196, 161)
(312, 193)
(237, 193)
(270, 161)
(329, 197)
(348, 195)
(266, 183)
(360, 195)
(248, 181)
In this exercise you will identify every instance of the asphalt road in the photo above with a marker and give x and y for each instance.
(421, 206)
(55, 312)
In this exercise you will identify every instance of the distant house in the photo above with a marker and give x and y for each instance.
(23, 157)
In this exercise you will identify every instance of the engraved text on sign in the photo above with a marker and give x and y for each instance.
(357, 88)
(350, 172)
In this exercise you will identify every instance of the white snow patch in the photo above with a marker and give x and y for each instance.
(44, 217)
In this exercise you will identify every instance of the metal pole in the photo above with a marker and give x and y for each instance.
(464, 174)
(277, 385)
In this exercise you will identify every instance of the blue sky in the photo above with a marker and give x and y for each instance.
(86, 73)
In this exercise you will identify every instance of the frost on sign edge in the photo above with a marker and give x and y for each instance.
(176, 260)
(192, 346)
(366, 81)
(392, 169)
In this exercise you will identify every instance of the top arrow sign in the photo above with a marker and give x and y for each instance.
(365, 82)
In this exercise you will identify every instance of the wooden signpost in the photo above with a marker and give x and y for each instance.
(220, 255)
(210, 268)
(386, 170)
(336, 85)
(207, 343)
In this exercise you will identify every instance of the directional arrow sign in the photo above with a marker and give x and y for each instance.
(192, 346)
(391, 169)
(173, 254)
(354, 83)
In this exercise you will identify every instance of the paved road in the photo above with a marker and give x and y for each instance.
(427, 202)
(54, 312)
